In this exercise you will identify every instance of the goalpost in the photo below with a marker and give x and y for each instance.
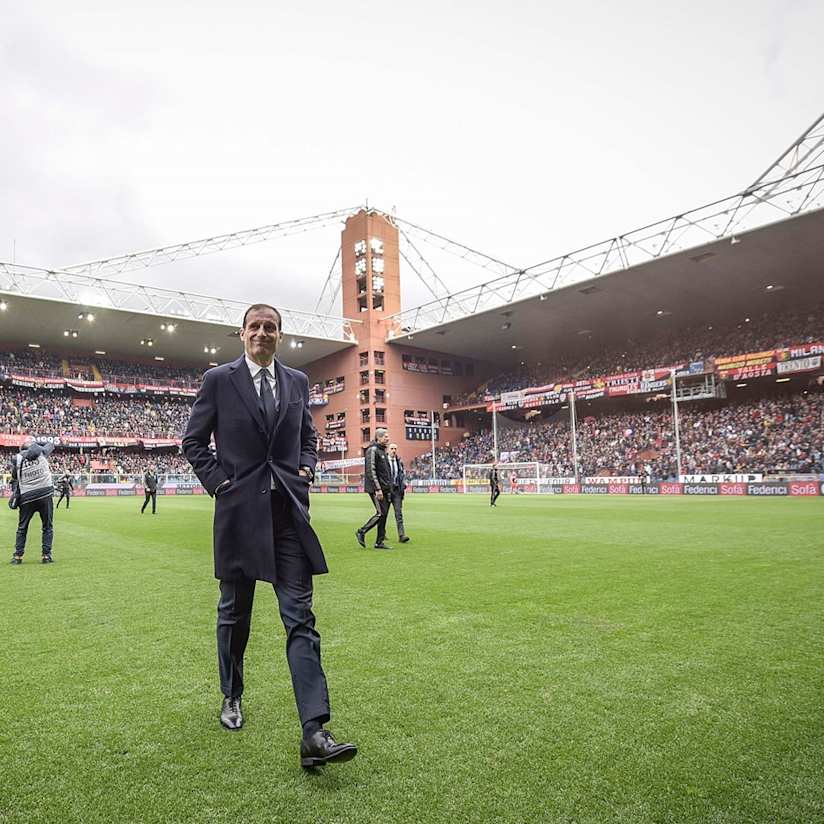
(510, 476)
(519, 477)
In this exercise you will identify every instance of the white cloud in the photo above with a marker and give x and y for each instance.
(525, 130)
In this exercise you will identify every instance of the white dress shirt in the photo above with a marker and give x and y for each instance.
(257, 372)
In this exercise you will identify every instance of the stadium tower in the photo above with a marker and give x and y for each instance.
(373, 384)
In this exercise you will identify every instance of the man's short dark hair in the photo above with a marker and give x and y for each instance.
(255, 306)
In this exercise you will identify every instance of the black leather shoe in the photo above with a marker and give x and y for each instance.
(231, 714)
(321, 748)
(359, 536)
(16, 559)
(382, 545)
(47, 559)
(404, 539)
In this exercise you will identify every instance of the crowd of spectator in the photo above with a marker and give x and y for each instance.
(122, 371)
(24, 411)
(770, 435)
(754, 334)
(31, 362)
(44, 364)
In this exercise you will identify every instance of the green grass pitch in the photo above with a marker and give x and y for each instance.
(566, 659)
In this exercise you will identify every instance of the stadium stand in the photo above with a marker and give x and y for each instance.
(767, 434)
(771, 435)
(769, 331)
(58, 413)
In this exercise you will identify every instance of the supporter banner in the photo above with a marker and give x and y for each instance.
(12, 440)
(35, 382)
(804, 350)
(337, 444)
(748, 365)
(612, 479)
(638, 383)
(97, 387)
(723, 477)
(332, 425)
(643, 381)
(77, 440)
(89, 387)
(801, 358)
(746, 372)
(80, 441)
(341, 463)
(121, 389)
(799, 365)
(160, 389)
(159, 443)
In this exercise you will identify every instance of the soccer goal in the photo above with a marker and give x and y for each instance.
(524, 477)
(512, 477)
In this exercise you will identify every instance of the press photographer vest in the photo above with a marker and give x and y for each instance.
(34, 479)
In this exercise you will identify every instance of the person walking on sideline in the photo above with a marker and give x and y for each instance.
(398, 490)
(377, 483)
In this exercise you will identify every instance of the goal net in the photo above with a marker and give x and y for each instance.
(512, 477)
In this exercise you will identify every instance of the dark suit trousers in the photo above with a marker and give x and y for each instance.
(294, 593)
(397, 506)
(150, 496)
(45, 508)
(64, 494)
(379, 518)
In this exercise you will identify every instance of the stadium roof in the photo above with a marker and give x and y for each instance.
(43, 305)
(732, 278)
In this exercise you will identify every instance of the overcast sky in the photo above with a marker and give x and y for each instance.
(524, 129)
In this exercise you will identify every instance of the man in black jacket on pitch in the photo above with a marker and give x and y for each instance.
(257, 409)
(377, 483)
(65, 484)
(150, 488)
(494, 484)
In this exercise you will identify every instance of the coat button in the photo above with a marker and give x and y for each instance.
(262, 491)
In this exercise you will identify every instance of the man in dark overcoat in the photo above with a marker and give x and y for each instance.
(257, 410)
